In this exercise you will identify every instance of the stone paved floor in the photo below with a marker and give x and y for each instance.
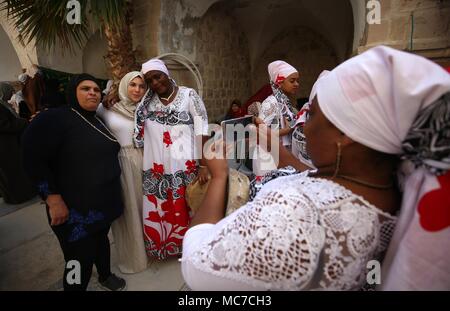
(30, 257)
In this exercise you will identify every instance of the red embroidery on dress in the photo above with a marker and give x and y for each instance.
(167, 139)
(434, 207)
(191, 166)
(157, 170)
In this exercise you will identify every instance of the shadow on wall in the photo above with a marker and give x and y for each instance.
(304, 49)
(94, 53)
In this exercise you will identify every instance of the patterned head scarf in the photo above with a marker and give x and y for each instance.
(278, 72)
(399, 103)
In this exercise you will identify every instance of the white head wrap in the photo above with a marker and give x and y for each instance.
(22, 78)
(374, 98)
(303, 113)
(314, 87)
(154, 64)
(279, 70)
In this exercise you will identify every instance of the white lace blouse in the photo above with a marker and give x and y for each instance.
(299, 233)
(271, 114)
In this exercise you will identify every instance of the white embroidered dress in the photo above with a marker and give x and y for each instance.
(167, 133)
(299, 233)
(127, 229)
(271, 114)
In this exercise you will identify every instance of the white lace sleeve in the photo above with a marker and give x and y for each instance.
(269, 110)
(290, 240)
(198, 112)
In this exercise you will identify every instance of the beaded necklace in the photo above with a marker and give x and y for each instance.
(93, 126)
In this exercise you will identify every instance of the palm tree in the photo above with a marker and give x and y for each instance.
(45, 21)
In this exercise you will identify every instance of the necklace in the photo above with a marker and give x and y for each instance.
(170, 96)
(362, 182)
(367, 184)
(93, 126)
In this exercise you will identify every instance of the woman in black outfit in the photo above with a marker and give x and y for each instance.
(72, 158)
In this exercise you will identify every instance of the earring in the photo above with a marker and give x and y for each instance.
(338, 160)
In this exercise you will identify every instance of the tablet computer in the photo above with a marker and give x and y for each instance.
(235, 126)
(246, 120)
(234, 131)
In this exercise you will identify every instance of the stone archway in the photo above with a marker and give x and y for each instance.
(301, 47)
(228, 35)
(312, 35)
(26, 54)
(93, 56)
(10, 66)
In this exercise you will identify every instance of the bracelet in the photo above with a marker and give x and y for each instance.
(202, 166)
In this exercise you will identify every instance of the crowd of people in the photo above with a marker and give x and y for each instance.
(350, 182)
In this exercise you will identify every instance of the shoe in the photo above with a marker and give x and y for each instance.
(114, 283)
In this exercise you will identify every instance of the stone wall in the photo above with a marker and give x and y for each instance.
(421, 26)
(145, 28)
(223, 57)
(302, 48)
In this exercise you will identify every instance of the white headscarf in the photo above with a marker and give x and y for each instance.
(154, 64)
(302, 115)
(279, 70)
(126, 106)
(23, 78)
(376, 98)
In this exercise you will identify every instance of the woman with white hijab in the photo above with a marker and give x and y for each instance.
(319, 230)
(276, 112)
(128, 229)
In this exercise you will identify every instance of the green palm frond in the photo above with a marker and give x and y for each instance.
(45, 20)
(109, 13)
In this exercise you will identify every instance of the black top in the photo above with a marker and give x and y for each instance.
(64, 154)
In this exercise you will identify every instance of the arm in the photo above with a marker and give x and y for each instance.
(268, 111)
(113, 96)
(139, 123)
(198, 112)
(286, 158)
(285, 131)
(243, 250)
(40, 145)
(212, 208)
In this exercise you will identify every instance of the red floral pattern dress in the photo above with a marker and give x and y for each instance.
(167, 134)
